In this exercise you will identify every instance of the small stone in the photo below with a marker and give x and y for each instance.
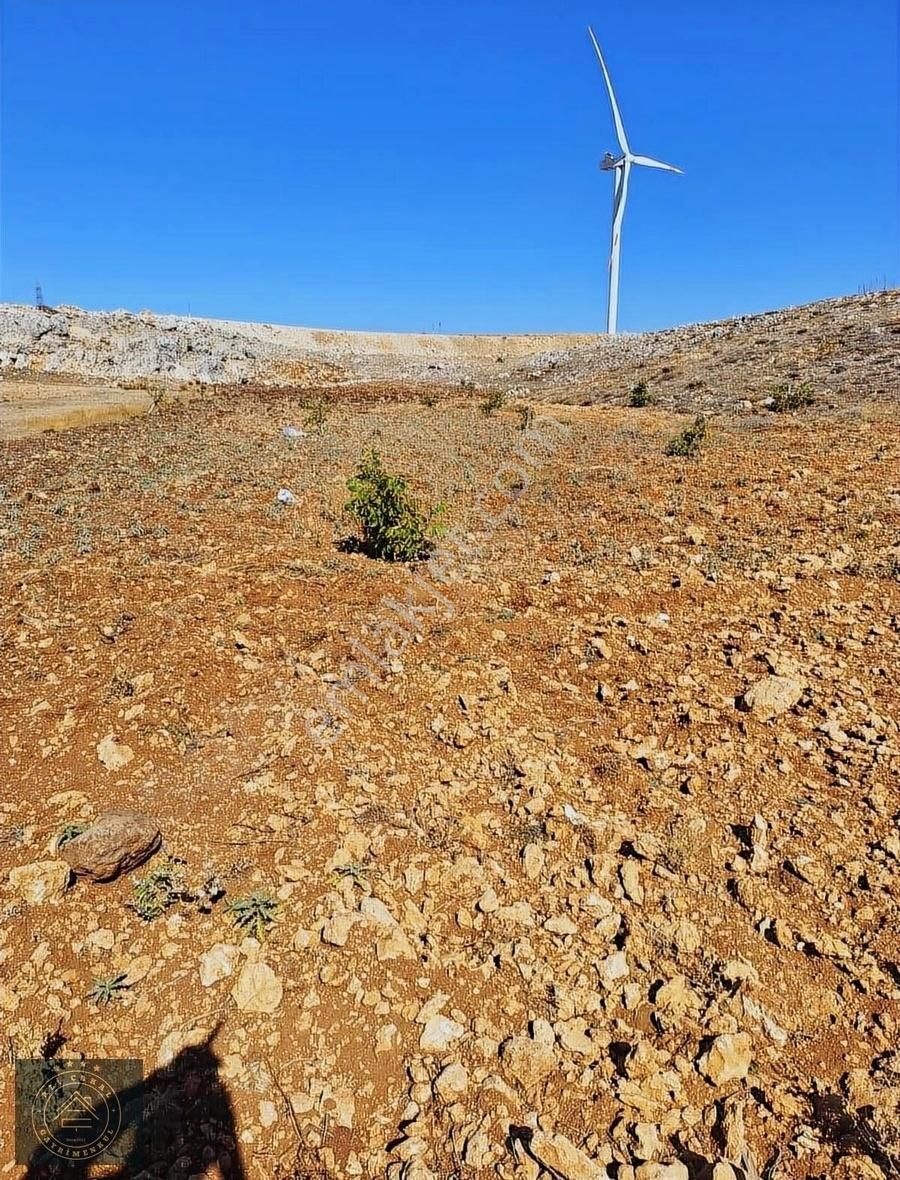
(736, 971)
(724, 1171)
(677, 996)
(533, 858)
(561, 924)
(832, 730)
(337, 929)
(138, 969)
(115, 843)
(654, 1171)
(387, 1039)
(529, 1062)
(631, 881)
(439, 1034)
(258, 989)
(376, 911)
(560, 1157)
(103, 940)
(647, 1144)
(452, 1082)
(113, 755)
(394, 945)
(613, 968)
(464, 735)
(542, 1030)
(45, 880)
(9, 1001)
(729, 1058)
(218, 963)
(772, 696)
(573, 1035)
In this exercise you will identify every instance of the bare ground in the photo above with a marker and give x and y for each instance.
(552, 820)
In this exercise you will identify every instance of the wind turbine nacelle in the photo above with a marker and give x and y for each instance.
(609, 162)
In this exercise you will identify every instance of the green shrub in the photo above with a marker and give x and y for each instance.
(254, 914)
(494, 401)
(358, 873)
(393, 526)
(641, 396)
(108, 988)
(790, 397)
(160, 889)
(687, 444)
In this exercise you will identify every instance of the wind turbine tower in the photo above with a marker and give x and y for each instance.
(620, 166)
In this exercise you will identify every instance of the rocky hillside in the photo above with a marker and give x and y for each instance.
(848, 347)
(109, 346)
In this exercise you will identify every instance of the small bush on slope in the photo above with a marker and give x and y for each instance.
(687, 444)
(393, 526)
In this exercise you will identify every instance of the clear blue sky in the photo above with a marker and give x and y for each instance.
(405, 164)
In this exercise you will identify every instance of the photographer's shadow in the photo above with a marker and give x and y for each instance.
(178, 1121)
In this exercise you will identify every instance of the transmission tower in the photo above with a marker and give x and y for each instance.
(39, 297)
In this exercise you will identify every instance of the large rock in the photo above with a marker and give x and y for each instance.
(45, 880)
(772, 695)
(116, 843)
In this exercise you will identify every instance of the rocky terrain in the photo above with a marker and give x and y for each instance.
(65, 366)
(122, 345)
(570, 853)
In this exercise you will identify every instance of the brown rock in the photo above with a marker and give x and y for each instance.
(115, 843)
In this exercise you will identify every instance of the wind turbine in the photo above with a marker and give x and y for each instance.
(622, 166)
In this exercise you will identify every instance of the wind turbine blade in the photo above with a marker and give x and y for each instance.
(648, 162)
(617, 117)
